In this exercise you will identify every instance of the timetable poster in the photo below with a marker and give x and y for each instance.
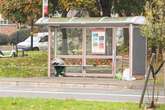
(98, 41)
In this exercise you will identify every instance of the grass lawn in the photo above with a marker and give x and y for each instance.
(53, 104)
(32, 65)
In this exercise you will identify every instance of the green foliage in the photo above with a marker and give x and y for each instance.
(21, 11)
(129, 7)
(69, 4)
(19, 36)
(63, 6)
(154, 29)
(3, 39)
(118, 76)
(33, 65)
(106, 7)
(123, 49)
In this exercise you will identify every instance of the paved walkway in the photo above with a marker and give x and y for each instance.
(75, 88)
(73, 82)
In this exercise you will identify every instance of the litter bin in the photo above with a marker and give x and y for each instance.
(58, 67)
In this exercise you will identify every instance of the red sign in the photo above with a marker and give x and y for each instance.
(45, 8)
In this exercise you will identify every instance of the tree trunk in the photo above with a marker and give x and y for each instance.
(98, 7)
(109, 41)
(126, 36)
(64, 42)
(55, 6)
(161, 50)
(64, 37)
(32, 24)
(17, 35)
(106, 6)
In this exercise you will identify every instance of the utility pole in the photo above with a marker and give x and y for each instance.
(32, 23)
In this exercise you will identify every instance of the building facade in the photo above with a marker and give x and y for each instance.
(5, 26)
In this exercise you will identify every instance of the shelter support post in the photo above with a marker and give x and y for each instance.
(114, 51)
(84, 51)
(55, 42)
(43, 2)
(131, 49)
(49, 51)
(164, 71)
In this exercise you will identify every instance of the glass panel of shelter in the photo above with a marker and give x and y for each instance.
(69, 48)
(99, 50)
(122, 50)
(98, 60)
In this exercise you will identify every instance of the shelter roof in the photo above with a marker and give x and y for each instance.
(91, 21)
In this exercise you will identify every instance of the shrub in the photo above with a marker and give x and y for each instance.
(19, 36)
(3, 39)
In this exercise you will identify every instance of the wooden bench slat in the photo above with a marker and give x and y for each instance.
(88, 56)
(84, 65)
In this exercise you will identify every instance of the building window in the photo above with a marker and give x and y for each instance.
(3, 21)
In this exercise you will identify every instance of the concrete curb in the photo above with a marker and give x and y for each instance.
(93, 83)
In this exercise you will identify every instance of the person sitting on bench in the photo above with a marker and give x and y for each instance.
(59, 67)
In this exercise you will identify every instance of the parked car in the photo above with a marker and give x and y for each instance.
(40, 42)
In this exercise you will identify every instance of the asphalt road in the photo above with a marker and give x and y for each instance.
(112, 94)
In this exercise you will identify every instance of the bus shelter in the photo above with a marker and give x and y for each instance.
(93, 45)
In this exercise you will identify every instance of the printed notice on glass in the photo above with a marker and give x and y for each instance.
(98, 41)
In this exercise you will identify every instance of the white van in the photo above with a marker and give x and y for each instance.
(40, 42)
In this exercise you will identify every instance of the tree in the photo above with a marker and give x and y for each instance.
(87, 5)
(129, 7)
(53, 6)
(22, 11)
(105, 7)
(154, 29)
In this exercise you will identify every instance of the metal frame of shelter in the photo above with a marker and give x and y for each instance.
(93, 22)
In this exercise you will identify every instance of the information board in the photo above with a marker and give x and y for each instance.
(98, 41)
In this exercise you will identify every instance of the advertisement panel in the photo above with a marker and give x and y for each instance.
(98, 41)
